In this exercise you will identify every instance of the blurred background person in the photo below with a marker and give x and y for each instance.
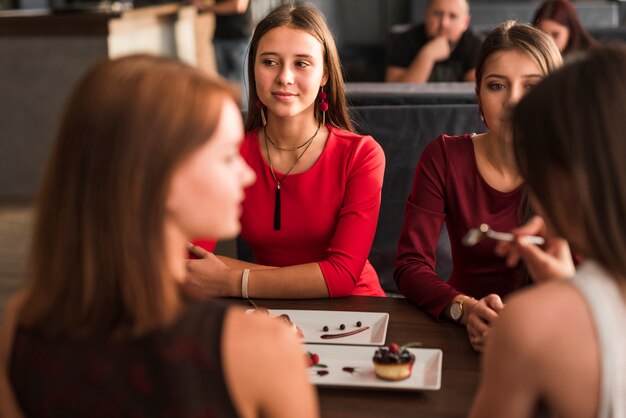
(443, 48)
(233, 28)
(558, 19)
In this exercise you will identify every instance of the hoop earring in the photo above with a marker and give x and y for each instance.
(261, 107)
(322, 106)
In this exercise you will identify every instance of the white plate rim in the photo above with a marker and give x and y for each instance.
(381, 318)
(435, 364)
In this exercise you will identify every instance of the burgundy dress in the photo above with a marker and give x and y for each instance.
(176, 372)
(448, 187)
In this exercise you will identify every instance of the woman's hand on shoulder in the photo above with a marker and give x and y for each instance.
(208, 276)
(266, 369)
(552, 261)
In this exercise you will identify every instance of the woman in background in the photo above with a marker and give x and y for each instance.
(146, 148)
(472, 179)
(558, 19)
(311, 216)
(563, 343)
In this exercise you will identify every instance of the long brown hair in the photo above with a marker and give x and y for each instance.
(98, 256)
(513, 36)
(312, 21)
(569, 144)
(564, 13)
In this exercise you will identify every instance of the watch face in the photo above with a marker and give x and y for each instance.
(456, 311)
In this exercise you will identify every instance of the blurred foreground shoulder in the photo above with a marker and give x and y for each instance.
(534, 353)
(264, 365)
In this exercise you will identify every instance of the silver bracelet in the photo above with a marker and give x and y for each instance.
(244, 283)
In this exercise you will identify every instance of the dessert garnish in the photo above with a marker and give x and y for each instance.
(342, 326)
(313, 360)
(322, 372)
(349, 370)
(342, 334)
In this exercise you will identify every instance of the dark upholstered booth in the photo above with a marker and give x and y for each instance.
(380, 94)
(403, 132)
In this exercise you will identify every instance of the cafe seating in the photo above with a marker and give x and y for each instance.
(403, 131)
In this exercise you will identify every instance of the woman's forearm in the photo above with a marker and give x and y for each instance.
(234, 263)
(301, 281)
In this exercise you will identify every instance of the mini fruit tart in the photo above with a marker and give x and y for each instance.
(393, 363)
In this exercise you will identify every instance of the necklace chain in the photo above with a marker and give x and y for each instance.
(306, 144)
(275, 145)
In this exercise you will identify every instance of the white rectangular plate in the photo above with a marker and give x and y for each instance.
(311, 323)
(426, 373)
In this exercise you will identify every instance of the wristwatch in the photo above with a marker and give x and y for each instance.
(456, 308)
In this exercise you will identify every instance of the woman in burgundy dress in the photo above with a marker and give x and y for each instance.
(471, 179)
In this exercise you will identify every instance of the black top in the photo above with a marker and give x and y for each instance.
(176, 372)
(233, 26)
(406, 45)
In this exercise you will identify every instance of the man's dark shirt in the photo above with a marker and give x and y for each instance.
(406, 45)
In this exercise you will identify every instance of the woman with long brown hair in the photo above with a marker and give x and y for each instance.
(311, 216)
(558, 18)
(146, 148)
(563, 343)
(472, 179)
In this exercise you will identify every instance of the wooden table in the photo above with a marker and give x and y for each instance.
(406, 323)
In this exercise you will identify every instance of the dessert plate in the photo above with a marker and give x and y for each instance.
(312, 324)
(426, 374)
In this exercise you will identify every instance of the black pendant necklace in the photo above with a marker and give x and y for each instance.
(306, 146)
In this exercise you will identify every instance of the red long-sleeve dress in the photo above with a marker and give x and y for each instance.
(328, 213)
(448, 187)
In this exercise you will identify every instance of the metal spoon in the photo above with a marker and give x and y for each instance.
(475, 235)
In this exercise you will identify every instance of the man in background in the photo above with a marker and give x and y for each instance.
(443, 48)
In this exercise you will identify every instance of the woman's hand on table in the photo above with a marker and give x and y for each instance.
(480, 317)
(551, 261)
(208, 276)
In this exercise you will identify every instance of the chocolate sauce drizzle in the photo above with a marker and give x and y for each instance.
(343, 334)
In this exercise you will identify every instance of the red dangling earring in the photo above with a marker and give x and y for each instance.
(322, 106)
(261, 106)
